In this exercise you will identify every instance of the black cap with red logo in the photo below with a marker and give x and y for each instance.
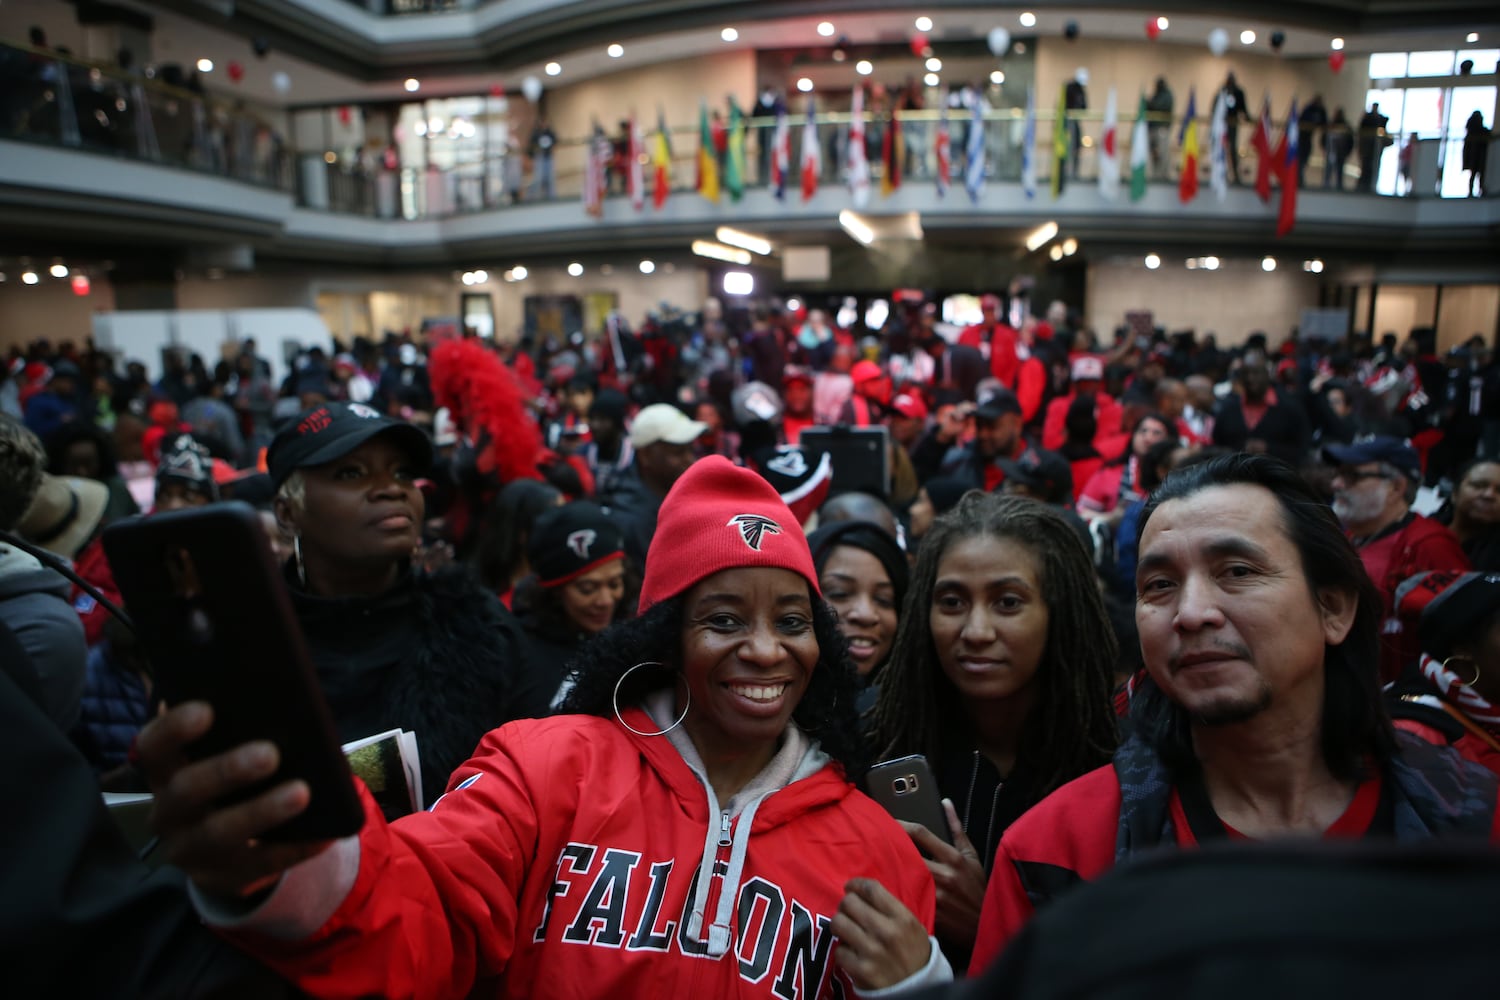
(333, 430)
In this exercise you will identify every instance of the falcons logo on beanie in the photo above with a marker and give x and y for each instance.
(754, 528)
(580, 541)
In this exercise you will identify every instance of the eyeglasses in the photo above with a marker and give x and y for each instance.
(1355, 475)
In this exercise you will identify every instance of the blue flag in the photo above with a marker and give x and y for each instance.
(974, 151)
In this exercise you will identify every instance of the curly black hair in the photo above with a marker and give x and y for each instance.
(826, 712)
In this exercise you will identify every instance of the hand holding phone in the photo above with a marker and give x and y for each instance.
(907, 789)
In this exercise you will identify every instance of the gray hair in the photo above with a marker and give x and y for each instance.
(1410, 489)
(23, 461)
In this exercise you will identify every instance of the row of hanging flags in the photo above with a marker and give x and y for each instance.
(715, 177)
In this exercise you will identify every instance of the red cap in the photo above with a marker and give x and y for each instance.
(863, 371)
(910, 405)
(719, 516)
(990, 301)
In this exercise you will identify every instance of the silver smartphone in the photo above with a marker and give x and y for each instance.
(908, 791)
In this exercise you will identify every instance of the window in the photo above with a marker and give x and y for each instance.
(1431, 64)
(1484, 59)
(1387, 65)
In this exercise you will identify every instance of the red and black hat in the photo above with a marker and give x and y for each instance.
(1450, 608)
(719, 516)
(332, 431)
(185, 460)
(802, 480)
(568, 541)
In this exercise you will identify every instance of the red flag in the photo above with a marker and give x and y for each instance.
(812, 155)
(892, 155)
(1265, 160)
(944, 154)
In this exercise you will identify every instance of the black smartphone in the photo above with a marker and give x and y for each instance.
(214, 618)
(907, 789)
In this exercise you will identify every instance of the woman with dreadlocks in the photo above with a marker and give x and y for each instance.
(1000, 676)
(691, 830)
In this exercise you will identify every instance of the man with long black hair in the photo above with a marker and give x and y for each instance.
(1261, 715)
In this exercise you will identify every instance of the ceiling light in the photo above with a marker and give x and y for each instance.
(997, 77)
(1040, 236)
(1336, 44)
(519, 272)
(647, 266)
(738, 283)
(805, 85)
(615, 50)
(1211, 263)
(1152, 262)
(1472, 37)
(1162, 24)
(825, 28)
(29, 278)
(58, 270)
(1314, 266)
(468, 278)
(864, 67)
(552, 68)
(481, 276)
(575, 269)
(205, 65)
(1056, 253)
(746, 241)
(1069, 247)
(730, 35)
(1028, 19)
(934, 65)
(412, 84)
(1268, 264)
(793, 305)
(718, 251)
(856, 227)
(924, 23)
(931, 79)
(1247, 37)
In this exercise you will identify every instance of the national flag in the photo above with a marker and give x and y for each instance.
(708, 162)
(1265, 160)
(1187, 183)
(781, 152)
(974, 151)
(734, 158)
(1059, 140)
(812, 154)
(635, 178)
(661, 162)
(1287, 165)
(1028, 146)
(943, 147)
(1218, 147)
(1109, 153)
(1140, 143)
(893, 156)
(856, 161)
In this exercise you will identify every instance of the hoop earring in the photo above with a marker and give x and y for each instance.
(297, 556)
(1461, 656)
(615, 702)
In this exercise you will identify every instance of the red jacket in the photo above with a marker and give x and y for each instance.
(564, 860)
(1419, 544)
(998, 341)
(1108, 439)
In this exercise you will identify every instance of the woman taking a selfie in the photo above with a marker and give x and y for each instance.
(393, 646)
(691, 832)
(1000, 677)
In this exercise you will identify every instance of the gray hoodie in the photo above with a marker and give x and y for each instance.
(35, 604)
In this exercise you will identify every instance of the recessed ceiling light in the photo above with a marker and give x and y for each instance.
(924, 23)
(519, 272)
(575, 269)
(730, 35)
(1247, 37)
(481, 276)
(205, 65)
(931, 79)
(615, 50)
(864, 67)
(805, 85)
(1028, 19)
(59, 270)
(1268, 264)
(934, 65)
(825, 28)
(1152, 262)
(1472, 37)
(412, 84)
(1336, 44)
(1162, 24)
(997, 77)
(1056, 253)
(552, 68)
(29, 278)
(647, 266)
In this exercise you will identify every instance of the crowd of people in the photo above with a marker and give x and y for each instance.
(1119, 593)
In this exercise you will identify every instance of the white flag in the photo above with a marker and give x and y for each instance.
(1218, 145)
(1109, 151)
(859, 166)
(1028, 146)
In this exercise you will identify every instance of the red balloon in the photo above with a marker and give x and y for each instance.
(919, 46)
(496, 90)
(1152, 28)
(344, 115)
(1336, 61)
(236, 72)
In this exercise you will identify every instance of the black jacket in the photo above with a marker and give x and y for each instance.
(1283, 428)
(436, 655)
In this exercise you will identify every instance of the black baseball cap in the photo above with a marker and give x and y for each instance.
(333, 430)
(1394, 451)
(997, 405)
(1046, 472)
(572, 540)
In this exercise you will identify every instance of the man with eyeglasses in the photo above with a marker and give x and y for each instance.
(1373, 488)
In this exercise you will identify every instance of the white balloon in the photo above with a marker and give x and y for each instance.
(281, 81)
(999, 41)
(1218, 41)
(531, 88)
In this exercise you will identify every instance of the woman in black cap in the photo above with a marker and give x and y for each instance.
(863, 573)
(433, 653)
(1453, 695)
(576, 590)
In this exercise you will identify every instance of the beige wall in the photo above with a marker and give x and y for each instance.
(49, 309)
(1232, 302)
(1465, 311)
(1398, 308)
(638, 294)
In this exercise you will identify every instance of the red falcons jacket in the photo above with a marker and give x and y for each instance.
(565, 861)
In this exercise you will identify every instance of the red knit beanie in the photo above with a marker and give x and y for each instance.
(719, 516)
